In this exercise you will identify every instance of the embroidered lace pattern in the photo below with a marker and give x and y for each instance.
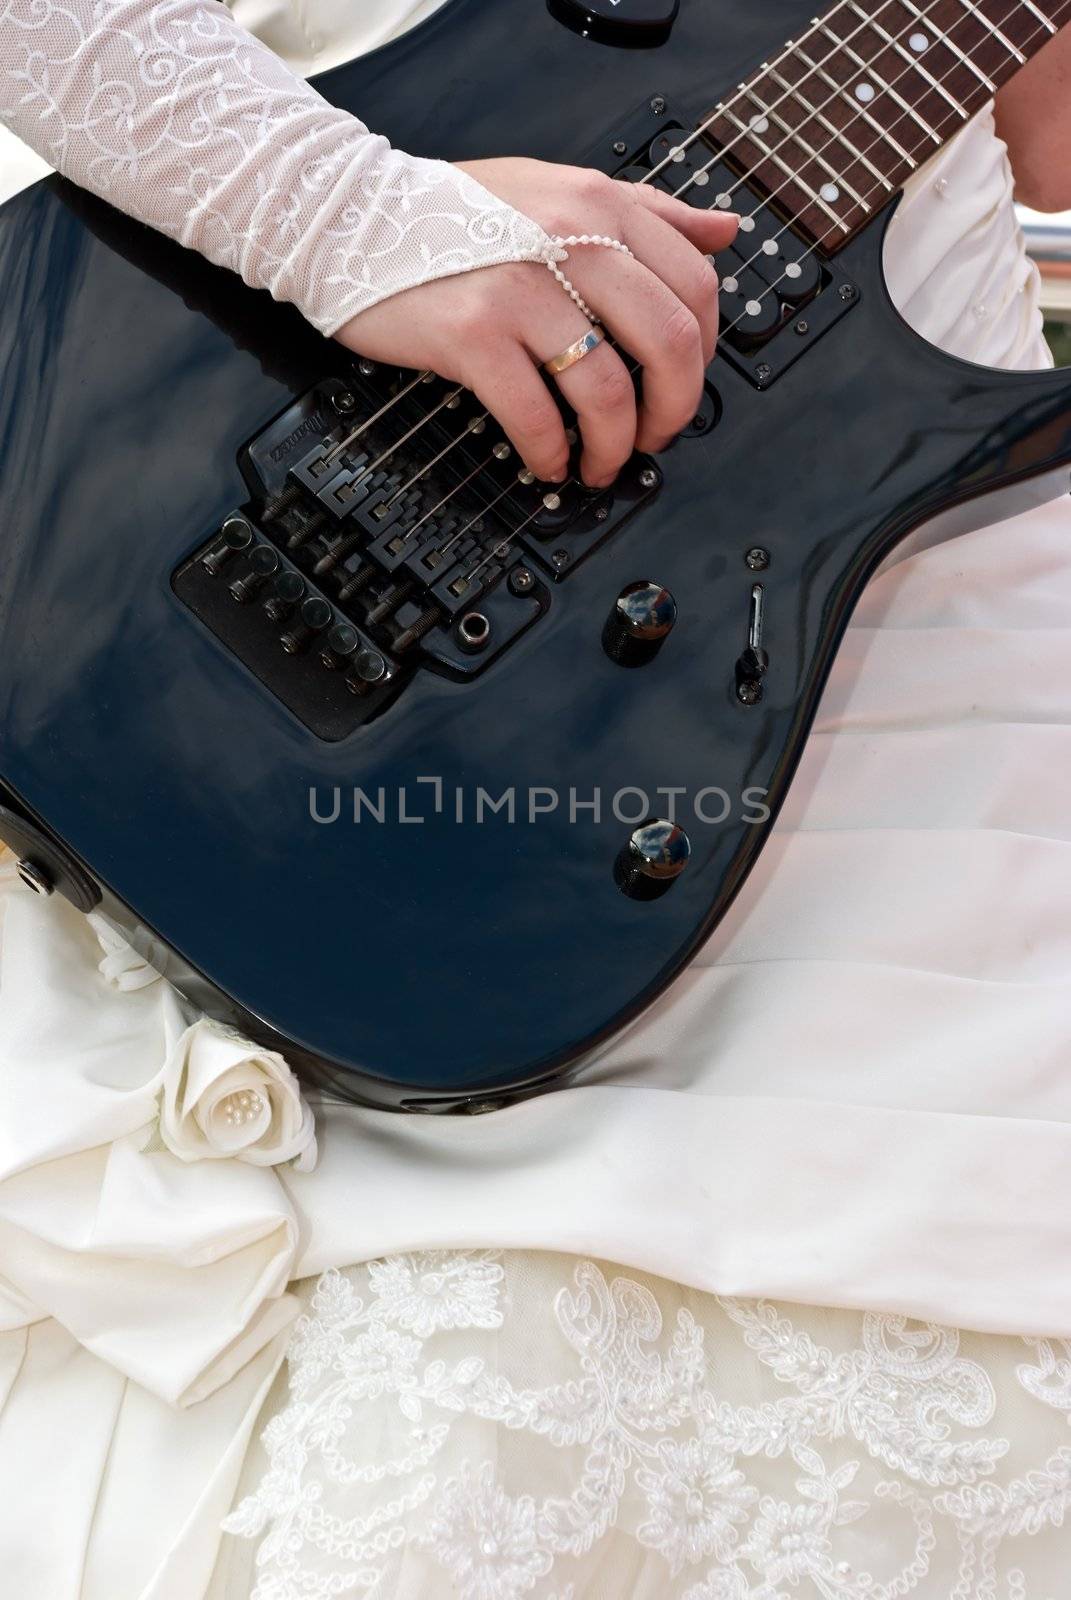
(494, 1427)
(180, 117)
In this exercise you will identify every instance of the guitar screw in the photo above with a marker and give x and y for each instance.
(521, 581)
(749, 693)
(648, 478)
(366, 368)
(619, 147)
(658, 105)
(601, 513)
(560, 558)
(846, 291)
(343, 402)
(758, 559)
(764, 372)
(802, 327)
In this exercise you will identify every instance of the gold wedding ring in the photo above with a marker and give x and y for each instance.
(576, 352)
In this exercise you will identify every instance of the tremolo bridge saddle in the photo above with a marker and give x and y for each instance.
(391, 525)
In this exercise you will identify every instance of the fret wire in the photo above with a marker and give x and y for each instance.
(815, 114)
(771, 155)
(502, 548)
(783, 142)
(886, 88)
(793, 47)
(745, 89)
(980, 17)
(915, 64)
(752, 259)
(822, 240)
(864, 115)
(814, 156)
(734, 101)
(1042, 18)
(963, 59)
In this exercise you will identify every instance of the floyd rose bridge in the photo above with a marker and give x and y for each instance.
(390, 525)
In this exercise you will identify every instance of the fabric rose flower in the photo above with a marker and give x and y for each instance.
(222, 1096)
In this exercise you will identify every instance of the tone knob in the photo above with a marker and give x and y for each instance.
(642, 618)
(654, 858)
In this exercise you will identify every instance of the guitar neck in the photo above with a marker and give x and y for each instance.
(839, 120)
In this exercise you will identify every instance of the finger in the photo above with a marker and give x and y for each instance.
(709, 229)
(600, 390)
(687, 271)
(512, 390)
(656, 327)
(598, 387)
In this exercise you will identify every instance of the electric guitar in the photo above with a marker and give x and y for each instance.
(429, 774)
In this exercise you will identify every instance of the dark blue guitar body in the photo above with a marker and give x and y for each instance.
(150, 764)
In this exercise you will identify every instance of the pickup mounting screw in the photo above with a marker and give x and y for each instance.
(803, 326)
(749, 693)
(343, 402)
(658, 105)
(649, 478)
(560, 558)
(619, 147)
(601, 513)
(764, 372)
(758, 559)
(521, 581)
(846, 291)
(366, 368)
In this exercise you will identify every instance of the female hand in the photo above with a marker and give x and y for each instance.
(492, 329)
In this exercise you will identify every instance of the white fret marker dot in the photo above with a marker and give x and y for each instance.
(723, 200)
(730, 285)
(759, 124)
(793, 270)
(830, 192)
(919, 42)
(769, 247)
(864, 92)
(747, 224)
(701, 179)
(752, 308)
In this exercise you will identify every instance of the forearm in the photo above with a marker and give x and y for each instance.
(178, 116)
(1034, 119)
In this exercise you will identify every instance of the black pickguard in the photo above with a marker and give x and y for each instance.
(432, 961)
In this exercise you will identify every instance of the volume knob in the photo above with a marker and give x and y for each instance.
(642, 618)
(654, 858)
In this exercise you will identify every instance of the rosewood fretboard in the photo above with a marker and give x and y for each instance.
(836, 122)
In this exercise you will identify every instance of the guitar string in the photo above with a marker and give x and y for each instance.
(836, 138)
(502, 548)
(823, 239)
(894, 39)
(813, 115)
(745, 91)
(385, 456)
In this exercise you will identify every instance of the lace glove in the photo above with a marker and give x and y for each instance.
(175, 114)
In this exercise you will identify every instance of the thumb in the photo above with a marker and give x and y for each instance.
(709, 230)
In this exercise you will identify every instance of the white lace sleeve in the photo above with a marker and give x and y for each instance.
(178, 116)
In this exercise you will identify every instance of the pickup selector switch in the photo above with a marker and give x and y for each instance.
(639, 624)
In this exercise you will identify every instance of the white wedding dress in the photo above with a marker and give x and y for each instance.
(858, 1098)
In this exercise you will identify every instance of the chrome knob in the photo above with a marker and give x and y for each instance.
(642, 618)
(653, 859)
